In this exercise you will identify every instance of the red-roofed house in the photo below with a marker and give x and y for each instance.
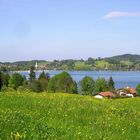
(107, 94)
(131, 90)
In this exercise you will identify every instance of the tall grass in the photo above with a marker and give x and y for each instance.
(68, 117)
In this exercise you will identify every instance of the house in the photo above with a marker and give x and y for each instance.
(121, 92)
(126, 92)
(107, 94)
(131, 90)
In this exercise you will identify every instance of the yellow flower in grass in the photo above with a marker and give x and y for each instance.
(17, 136)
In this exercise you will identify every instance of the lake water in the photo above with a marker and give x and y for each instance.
(121, 79)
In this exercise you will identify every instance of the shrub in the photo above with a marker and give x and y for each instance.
(35, 86)
(23, 89)
(5, 89)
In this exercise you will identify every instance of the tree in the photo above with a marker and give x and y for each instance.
(44, 76)
(4, 69)
(0, 81)
(44, 79)
(5, 79)
(87, 86)
(101, 85)
(52, 85)
(138, 89)
(16, 80)
(111, 84)
(62, 82)
(32, 74)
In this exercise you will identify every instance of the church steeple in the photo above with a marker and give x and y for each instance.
(36, 66)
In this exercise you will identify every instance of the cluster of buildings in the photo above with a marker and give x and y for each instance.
(123, 92)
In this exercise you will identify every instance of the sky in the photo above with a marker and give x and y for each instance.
(68, 29)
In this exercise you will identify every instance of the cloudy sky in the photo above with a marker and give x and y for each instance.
(64, 29)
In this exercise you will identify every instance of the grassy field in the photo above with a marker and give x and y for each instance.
(68, 117)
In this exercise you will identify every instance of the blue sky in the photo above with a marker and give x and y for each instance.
(65, 29)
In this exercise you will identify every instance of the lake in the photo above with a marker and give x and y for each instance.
(121, 79)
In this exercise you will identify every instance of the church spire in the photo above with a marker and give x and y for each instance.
(36, 66)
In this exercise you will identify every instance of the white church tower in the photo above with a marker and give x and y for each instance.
(36, 66)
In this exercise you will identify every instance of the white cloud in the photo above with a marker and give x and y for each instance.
(116, 14)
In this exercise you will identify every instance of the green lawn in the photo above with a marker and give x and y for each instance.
(68, 117)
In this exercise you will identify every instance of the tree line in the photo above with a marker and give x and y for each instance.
(62, 82)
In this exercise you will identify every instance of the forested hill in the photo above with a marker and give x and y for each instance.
(121, 62)
(125, 57)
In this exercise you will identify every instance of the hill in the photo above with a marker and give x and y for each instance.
(125, 57)
(126, 62)
(66, 116)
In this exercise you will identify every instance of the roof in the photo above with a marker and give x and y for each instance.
(131, 90)
(106, 94)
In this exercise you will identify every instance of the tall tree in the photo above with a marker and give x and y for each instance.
(111, 84)
(32, 74)
(87, 86)
(0, 81)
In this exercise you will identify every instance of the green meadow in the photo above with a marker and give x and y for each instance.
(32, 116)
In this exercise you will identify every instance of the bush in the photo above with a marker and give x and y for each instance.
(35, 86)
(23, 89)
(87, 86)
(5, 89)
(62, 82)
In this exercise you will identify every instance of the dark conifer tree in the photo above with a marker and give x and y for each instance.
(0, 81)
(32, 74)
(111, 84)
